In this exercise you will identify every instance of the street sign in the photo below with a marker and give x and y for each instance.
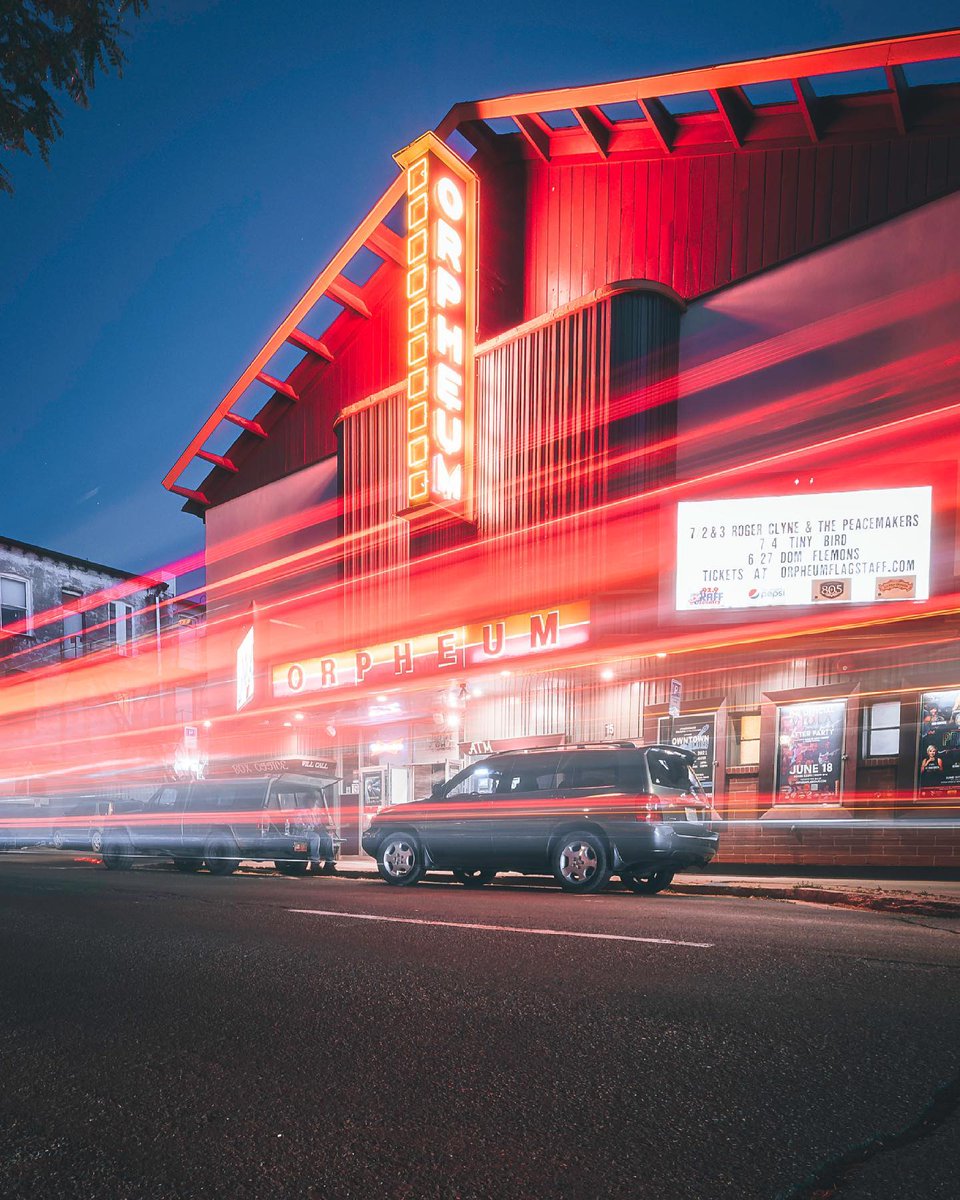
(190, 738)
(676, 695)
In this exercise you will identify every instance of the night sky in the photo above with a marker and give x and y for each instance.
(187, 209)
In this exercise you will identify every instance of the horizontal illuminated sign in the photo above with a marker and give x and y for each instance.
(828, 548)
(440, 328)
(469, 646)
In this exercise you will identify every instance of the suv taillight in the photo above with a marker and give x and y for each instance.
(649, 810)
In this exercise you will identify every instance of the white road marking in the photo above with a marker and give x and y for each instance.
(574, 933)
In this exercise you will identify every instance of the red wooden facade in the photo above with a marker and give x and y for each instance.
(695, 202)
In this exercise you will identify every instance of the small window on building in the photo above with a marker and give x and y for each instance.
(744, 740)
(123, 626)
(72, 646)
(14, 600)
(881, 729)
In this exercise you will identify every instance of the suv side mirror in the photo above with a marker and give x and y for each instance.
(436, 791)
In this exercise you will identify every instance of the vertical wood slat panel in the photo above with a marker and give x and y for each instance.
(696, 222)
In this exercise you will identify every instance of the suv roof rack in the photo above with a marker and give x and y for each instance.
(562, 746)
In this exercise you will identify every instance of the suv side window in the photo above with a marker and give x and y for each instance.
(529, 773)
(593, 770)
(165, 800)
(481, 779)
(246, 795)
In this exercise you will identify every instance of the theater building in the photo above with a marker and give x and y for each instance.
(639, 397)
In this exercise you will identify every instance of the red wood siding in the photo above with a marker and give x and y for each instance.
(696, 223)
(551, 233)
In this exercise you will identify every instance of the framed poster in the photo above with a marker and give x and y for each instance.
(938, 756)
(810, 752)
(695, 732)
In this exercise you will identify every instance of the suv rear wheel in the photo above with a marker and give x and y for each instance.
(222, 856)
(648, 884)
(400, 860)
(580, 862)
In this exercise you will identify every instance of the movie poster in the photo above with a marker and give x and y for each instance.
(938, 772)
(810, 741)
(696, 733)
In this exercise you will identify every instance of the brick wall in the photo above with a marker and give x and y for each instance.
(830, 845)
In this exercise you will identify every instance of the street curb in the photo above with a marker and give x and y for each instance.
(875, 901)
(918, 906)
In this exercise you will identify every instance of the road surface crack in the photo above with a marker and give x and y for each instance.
(830, 1178)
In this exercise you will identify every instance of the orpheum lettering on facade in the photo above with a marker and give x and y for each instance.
(441, 326)
(447, 650)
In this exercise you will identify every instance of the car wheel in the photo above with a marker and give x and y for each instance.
(118, 856)
(581, 862)
(648, 884)
(473, 878)
(400, 860)
(58, 839)
(188, 865)
(96, 841)
(222, 856)
(292, 867)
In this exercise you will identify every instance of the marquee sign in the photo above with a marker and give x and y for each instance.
(831, 547)
(470, 646)
(441, 327)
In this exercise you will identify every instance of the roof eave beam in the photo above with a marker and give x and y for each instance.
(810, 107)
(384, 242)
(536, 133)
(899, 97)
(660, 121)
(296, 337)
(348, 294)
(597, 128)
(253, 427)
(190, 494)
(218, 460)
(278, 385)
(481, 136)
(734, 113)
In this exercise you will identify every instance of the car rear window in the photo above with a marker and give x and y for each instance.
(671, 771)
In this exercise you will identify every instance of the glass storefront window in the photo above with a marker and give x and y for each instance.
(744, 748)
(881, 729)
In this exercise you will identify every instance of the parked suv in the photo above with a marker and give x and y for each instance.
(81, 827)
(582, 813)
(283, 818)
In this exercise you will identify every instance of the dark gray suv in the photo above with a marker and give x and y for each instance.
(582, 813)
(218, 822)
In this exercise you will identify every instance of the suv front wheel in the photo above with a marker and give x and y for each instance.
(580, 862)
(400, 860)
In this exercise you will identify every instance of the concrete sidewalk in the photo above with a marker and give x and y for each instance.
(919, 897)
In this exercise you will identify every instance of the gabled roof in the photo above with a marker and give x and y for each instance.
(717, 107)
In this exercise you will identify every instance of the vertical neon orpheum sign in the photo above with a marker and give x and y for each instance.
(440, 329)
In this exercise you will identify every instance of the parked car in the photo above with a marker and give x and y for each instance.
(217, 822)
(582, 814)
(81, 826)
(24, 823)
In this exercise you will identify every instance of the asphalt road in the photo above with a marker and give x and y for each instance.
(175, 1036)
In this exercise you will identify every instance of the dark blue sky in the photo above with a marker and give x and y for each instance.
(188, 208)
